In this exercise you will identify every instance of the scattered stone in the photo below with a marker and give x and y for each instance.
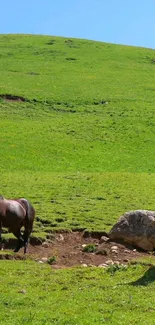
(22, 291)
(126, 251)
(41, 262)
(44, 259)
(60, 237)
(117, 263)
(84, 265)
(103, 239)
(136, 228)
(109, 262)
(103, 265)
(114, 247)
(114, 251)
(45, 244)
(84, 245)
(135, 250)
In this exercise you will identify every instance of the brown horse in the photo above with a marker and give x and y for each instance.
(15, 214)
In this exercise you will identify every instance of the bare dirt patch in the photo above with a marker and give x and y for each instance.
(67, 250)
(12, 98)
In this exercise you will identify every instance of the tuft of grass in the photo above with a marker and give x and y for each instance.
(89, 248)
(51, 260)
(115, 267)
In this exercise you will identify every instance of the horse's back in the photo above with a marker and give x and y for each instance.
(15, 214)
(12, 213)
(16, 211)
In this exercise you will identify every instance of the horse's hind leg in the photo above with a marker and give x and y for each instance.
(1, 246)
(20, 242)
(26, 236)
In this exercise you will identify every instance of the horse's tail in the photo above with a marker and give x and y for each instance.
(29, 218)
(30, 212)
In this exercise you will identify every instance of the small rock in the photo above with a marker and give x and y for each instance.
(103, 239)
(114, 247)
(44, 259)
(60, 237)
(109, 262)
(102, 265)
(84, 265)
(126, 251)
(45, 244)
(84, 245)
(22, 291)
(135, 250)
(115, 251)
(117, 262)
(41, 262)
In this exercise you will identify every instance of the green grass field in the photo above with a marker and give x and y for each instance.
(81, 148)
(33, 294)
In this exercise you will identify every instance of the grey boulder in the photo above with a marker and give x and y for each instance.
(136, 228)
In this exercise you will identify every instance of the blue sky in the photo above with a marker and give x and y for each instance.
(130, 22)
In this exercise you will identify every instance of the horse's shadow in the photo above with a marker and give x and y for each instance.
(146, 279)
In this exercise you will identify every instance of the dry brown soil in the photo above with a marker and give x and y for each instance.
(67, 248)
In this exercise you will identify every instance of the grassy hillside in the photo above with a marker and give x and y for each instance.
(76, 296)
(75, 71)
(80, 142)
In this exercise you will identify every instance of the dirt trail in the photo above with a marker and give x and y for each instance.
(67, 251)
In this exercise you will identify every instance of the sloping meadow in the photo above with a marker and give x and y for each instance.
(77, 129)
(77, 139)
